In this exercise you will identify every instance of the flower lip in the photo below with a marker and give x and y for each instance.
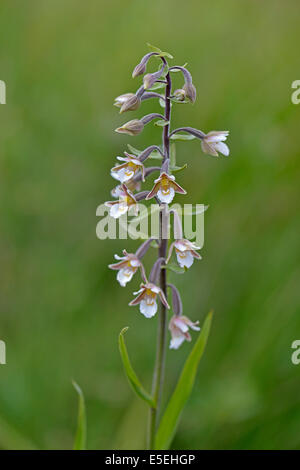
(165, 188)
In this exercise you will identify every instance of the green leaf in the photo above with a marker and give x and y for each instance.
(182, 137)
(174, 268)
(157, 86)
(182, 391)
(131, 375)
(80, 438)
(173, 155)
(161, 53)
(161, 123)
(175, 168)
(155, 155)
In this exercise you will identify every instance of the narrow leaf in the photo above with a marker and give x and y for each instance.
(161, 123)
(173, 155)
(175, 169)
(155, 155)
(161, 53)
(182, 391)
(174, 267)
(80, 438)
(182, 137)
(157, 86)
(131, 375)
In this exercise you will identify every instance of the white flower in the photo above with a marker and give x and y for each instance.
(213, 143)
(127, 267)
(120, 207)
(127, 170)
(185, 252)
(179, 328)
(165, 188)
(146, 297)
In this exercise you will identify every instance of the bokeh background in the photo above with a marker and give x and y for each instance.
(63, 62)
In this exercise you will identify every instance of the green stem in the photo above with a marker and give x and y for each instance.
(159, 370)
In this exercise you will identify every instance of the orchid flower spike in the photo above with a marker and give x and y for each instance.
(146, 297)
(185, 252)
(126, 267)
(125, 202)
(129, 169)
(165, 188)
(213, 143)
(179, 327)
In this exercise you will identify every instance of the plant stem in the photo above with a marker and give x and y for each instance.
(159, 370)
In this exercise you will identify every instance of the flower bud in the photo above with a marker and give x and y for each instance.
(140, 69)
(149, 80)
(131, 104)
(120, 100)
(180, 94)
(190, 91)
(127, 102)
(133, 127)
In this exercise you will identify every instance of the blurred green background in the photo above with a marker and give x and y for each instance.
(63, 62)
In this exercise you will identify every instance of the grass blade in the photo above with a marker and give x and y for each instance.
(131, 375)
(80, 438)
(182, 391)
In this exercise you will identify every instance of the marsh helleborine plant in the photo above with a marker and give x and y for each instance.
(131, 172)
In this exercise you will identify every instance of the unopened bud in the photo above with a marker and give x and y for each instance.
(190, 91)
(131, 104)
(140, 69)
(149, 80)
(179, 94)
(133, 127)
(120, 100)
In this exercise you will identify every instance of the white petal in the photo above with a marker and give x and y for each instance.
(118, 209)
(185, 259)
(148, 307)
(217, 137)
(124, 276)
(180, 245)
(176, 341)
(222, 148)
(166, 197)
(119, 257)
(123, 174)
(181, 324)
(194, 327)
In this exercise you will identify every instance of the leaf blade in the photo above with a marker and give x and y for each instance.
(182, 137)
(131, 375)
(182, 391)
(80, 437)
